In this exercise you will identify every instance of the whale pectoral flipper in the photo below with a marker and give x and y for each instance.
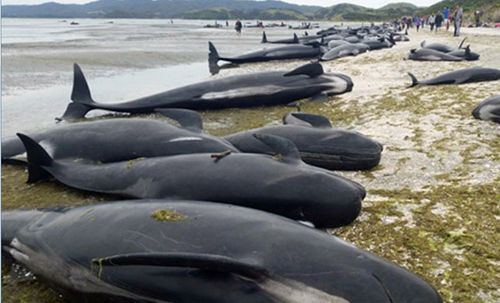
(187, 119)
(310, 69)
(189, 260)
(285, 149)
(37, 157)
(315, 120)
(282, 289)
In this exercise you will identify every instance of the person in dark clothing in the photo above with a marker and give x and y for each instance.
(477, 16)
(237, 27)
(439, 20)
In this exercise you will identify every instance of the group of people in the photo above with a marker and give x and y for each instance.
(436, 21)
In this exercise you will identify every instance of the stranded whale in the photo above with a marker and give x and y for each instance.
(255, 89)
(467, 75)
(281, 184)
(187, 251)
(117, 140)
(319, 144)
(488, 109)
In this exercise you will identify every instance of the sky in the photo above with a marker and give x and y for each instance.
(367, 3)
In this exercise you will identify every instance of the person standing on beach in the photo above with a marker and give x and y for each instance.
(446, 16)
(432, 21)
(237, 27)
(408, 22)
(416, 21)
(457, 20)
(477, 16)
(439, 20)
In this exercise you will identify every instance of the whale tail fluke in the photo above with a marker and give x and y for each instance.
(213, 58)
(264, 38)
(81, 97)
(414, 81)
(37, 158)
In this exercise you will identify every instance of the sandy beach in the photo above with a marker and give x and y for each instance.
(432, 204)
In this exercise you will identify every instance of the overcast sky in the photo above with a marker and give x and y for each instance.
(368, 3)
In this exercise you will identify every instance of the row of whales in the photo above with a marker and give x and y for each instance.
(198, 241)
(106, 141)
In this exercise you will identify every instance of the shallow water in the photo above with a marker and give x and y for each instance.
(432, 203)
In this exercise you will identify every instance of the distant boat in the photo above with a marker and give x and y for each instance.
(74, 23)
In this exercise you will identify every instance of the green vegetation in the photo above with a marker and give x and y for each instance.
(351, 12)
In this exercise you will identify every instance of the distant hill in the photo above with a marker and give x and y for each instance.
(244, 9)
(267, 14)
(351, 12)
(153, 8)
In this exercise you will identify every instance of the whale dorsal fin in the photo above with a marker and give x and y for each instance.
(187, 119)
(37, 157)
(284, 149)
(315, 120)
(295, 38)
(462, 43)
(311, 69)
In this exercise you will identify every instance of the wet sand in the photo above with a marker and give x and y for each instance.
(432, 204)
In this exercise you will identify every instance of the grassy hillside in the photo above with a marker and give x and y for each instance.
(267, 14)
(345, 11)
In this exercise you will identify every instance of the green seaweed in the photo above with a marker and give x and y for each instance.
(167, 215)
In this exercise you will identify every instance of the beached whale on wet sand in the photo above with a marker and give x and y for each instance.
(248, 90)
(115, 140)
(467, 75)
(297, 51)
(282, 183)
(192, 251)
